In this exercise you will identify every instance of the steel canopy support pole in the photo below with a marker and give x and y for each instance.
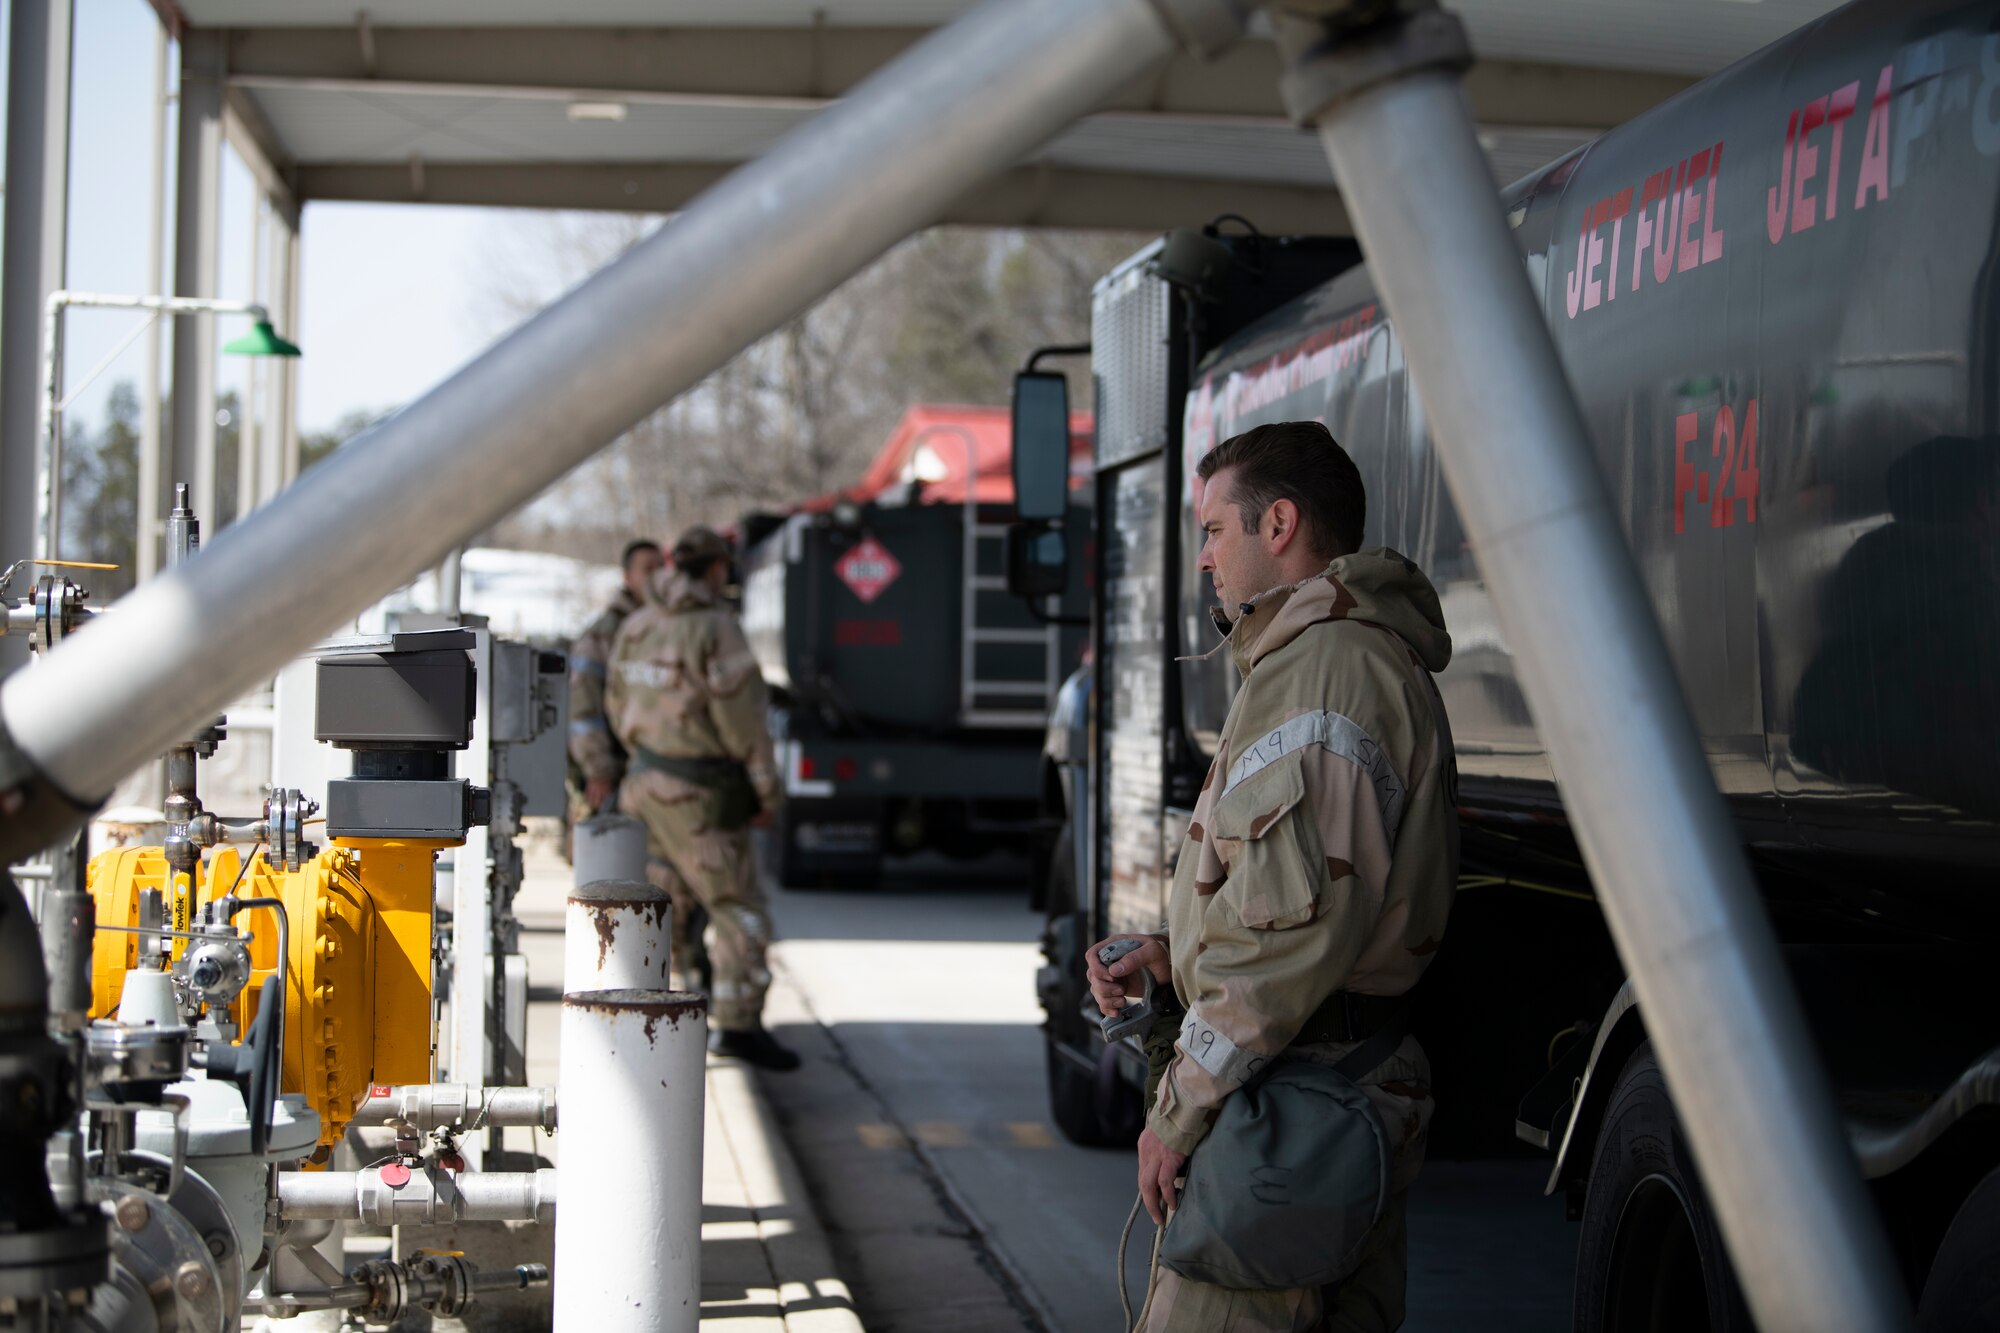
(152, 503)
(287, 469)
(32, 251)
(1597, 674)
(962, 105)
(197, 226)
(250, 428)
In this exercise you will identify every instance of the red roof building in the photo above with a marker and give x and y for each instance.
(931, 447)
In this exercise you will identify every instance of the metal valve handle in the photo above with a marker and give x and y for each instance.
(254, 1064)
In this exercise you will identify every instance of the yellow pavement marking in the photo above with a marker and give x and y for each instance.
(942, 1134)
(1030, 1134)
(880, 1136)
(952, 1134)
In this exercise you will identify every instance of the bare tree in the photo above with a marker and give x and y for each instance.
(947, 316)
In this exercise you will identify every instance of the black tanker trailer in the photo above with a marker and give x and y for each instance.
(1778, 298)
(908, 688)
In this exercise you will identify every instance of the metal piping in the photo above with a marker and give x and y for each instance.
(48, 496)
(456, 1106)
(197, 263)
(609, 848)
(69, 935)
(1598, 677)
(632, 1085)
(24, 980)
(618, 935)
(431, 1196)
(152, 493)
(963, 104)
(31, 1063)
(40, 43)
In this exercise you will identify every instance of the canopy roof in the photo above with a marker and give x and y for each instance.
(640, 104)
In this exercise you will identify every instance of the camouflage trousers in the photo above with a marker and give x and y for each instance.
(1370, 1300)
(715, 870)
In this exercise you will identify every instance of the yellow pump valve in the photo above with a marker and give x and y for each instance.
(359, 980)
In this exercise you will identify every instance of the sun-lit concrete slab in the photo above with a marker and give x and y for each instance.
(920, 1120)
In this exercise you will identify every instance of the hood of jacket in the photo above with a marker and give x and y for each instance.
(1375, 585)
(674, 591)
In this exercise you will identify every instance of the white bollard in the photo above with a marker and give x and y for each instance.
(608, 847)
(618, 935)
(628, 1234)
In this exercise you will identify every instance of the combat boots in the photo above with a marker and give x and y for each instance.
(755, 1045)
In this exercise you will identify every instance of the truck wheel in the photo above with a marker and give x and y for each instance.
(1089, 1100)
(1962, 1293)
(1650, 1258)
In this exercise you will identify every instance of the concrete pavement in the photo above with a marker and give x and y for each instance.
(920, 1119)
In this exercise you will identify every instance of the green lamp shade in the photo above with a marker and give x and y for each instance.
(262, 340)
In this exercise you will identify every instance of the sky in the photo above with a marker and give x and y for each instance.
(394, 297)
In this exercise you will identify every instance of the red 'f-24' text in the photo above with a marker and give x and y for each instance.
(1732, 446)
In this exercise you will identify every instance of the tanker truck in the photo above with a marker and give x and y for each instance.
(1777, 297)
(909, 688)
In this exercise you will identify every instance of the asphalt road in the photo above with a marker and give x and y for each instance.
(952, 1201)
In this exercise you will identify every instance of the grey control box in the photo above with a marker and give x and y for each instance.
(414, 691)
(404, 808)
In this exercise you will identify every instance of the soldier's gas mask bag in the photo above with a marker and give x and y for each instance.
(1286, 1187)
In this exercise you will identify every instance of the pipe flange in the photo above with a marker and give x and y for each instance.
(286, 810)
(73, 1255)
(449, 1283)
(1328, 61)
(58, 608)
(121, 1054)
(388, 1290)
(169, 1255)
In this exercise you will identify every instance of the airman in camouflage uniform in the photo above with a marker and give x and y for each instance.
(1320, 861)
(596, 759)
(685, 697)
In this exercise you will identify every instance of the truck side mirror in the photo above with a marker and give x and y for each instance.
(1037, 560)
(1041, 445)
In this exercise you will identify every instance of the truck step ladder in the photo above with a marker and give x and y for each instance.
(982, 696)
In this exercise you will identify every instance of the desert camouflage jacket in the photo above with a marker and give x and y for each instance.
(1323, 851)
(683, 684)
(592, 748)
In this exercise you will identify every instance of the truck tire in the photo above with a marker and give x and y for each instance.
(1650, 1258)
(1091, 1103)
(1962, 1293)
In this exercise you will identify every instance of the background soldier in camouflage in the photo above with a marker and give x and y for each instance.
(596, 759)
(685, 698)
(1323, 852)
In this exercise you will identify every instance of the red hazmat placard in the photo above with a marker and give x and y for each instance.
(868, 569)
